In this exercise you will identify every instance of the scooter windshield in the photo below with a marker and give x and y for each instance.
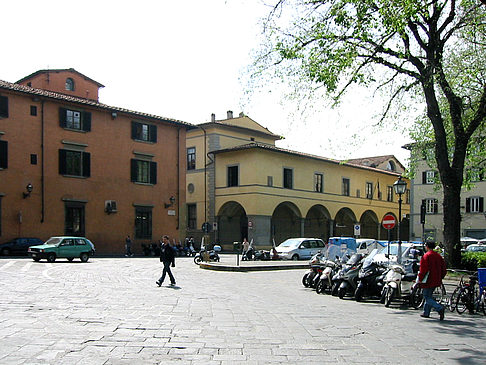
(353, 260)
(369, 259)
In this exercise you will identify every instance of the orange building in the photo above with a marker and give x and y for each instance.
(71, 165)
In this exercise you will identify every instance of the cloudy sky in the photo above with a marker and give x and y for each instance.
(181, 59)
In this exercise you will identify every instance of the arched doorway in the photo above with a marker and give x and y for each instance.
(232, 223)
(369, 224)
(344, 223)
(317, 223)
(286, 222)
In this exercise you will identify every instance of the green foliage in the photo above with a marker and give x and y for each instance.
(472, 260)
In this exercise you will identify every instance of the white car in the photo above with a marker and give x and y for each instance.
(300, 248)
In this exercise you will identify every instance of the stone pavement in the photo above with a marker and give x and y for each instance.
(110, 311)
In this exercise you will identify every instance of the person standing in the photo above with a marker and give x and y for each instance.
(432, 271)
(128, 246)
(167, 257)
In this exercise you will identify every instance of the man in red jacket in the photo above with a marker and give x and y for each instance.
(432, 271)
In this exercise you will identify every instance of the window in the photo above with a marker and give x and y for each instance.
(144, 171)
(144, 132)
(69, 84)
(369, 190)
(3, 107)
(33, 159)
(191, 158)
(269, 180)
(428, 177)
(232, 176)
(143, 222)
(74, 163)
(431, 206)
(3, 154)
(318, 183)
(75, 119)
(475, 204)
(288, 178)
(191, 216)
(74, 224)
(33, 110)
(345, 186)
(390, 166)
(389, 193)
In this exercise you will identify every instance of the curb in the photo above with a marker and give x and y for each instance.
(234, 268)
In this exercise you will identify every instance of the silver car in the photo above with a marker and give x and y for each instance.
(300, 248)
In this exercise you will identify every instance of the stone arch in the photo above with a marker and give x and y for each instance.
(317, 222)
(344, 223)
(369, 224)
(286, 222)
(232, 223)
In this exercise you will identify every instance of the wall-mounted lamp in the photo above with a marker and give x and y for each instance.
(29, 189)
(113, 115)
(171, 200)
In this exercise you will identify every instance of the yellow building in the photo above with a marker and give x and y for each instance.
(242, 185)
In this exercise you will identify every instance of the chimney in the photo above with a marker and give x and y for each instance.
(242, 114)
(213, 118)
(229, 114)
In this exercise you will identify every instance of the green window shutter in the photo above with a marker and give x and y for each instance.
(481, 204)
(153, 133)
(87, 121)
(3, 154)
(62, 117)
(134, 130)
(62, 162)
(3, 107)
(86, 164)
(153, 173)
(133, 170)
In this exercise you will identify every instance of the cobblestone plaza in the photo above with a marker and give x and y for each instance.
(110, 311)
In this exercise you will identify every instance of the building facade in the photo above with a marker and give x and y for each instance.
(241, 185)
(426, 191)
(71, 165)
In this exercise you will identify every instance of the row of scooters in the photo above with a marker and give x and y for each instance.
(363, 277)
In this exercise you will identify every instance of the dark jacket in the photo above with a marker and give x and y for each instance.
(434, 264)
(167, 254)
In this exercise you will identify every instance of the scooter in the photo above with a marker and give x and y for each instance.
(314, 270)
(398, 284)
(370, 278)
(350, 278)
(205, 255)
(325, 279)
(338, 278)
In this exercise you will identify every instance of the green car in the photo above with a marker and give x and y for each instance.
(63, 247)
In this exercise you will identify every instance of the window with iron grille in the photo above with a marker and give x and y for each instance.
(191, 216)
(369, 190)
(143, 222)
(345, 189)
(232, 176)
(288, 178)
(318, 182)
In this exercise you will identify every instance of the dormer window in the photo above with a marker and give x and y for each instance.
(69, 84)
(391, 166)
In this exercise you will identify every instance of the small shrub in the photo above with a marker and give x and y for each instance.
(472, 260)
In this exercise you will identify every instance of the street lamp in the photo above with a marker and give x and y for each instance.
(400, 186)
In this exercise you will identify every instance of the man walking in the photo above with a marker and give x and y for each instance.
(167, 257)
(432, 271)
(128, 246)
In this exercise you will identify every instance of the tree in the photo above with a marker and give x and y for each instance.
(431, 50)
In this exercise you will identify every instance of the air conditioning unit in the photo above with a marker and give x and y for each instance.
(110, 206)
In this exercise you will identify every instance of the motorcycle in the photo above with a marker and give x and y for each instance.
(315, 268)
(370, 278)
(338, 278)
(205, 255)
(350, 278)
(397, 284)
(325, 279)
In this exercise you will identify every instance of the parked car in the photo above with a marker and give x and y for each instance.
(63, 247)
(476, 248)
(19, 246)
(300, 248)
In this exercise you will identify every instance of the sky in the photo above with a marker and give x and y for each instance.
(183, 59)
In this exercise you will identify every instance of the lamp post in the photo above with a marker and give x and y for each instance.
(400, 186)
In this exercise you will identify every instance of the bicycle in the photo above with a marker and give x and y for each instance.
(468, 296)
(417, 298)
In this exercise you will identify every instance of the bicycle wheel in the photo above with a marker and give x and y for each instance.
(416, 297)
(440, 295)
(462, 301)
(453, 299)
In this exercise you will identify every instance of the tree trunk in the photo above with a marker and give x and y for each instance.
(452, 224)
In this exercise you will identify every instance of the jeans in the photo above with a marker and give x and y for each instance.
(430, 301)
(167, 271)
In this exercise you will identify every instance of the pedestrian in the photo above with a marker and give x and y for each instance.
(432, 271)
(128, 246)
(167, 257)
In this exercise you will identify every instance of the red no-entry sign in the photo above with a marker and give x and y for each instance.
(388, 221)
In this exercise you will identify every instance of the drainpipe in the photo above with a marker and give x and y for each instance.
(178, 177)
(42, 165)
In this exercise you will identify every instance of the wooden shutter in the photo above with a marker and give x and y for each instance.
(424, 177)
(468, 205)
(62, 162)
(62, 117)
(481, 204)
(86, 121)
(133, 169)
(3, 107)
(153, 173)
(436, 206)
(153, 133)
(134, 130)
(86, 164)
(3, 154)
